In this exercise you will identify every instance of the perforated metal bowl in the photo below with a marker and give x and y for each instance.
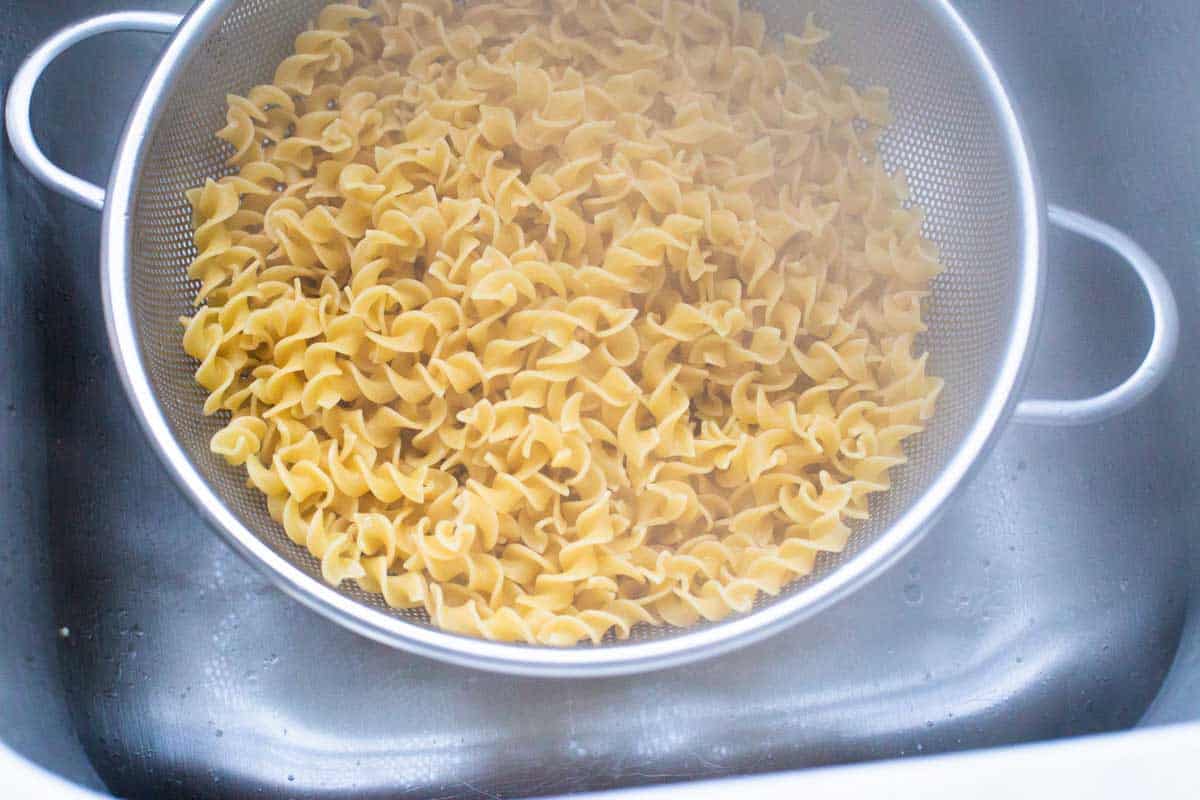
(956, 135)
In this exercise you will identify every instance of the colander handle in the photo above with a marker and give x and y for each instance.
(20, 95)
(1157, 363)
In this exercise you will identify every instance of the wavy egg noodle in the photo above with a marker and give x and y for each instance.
(558, 317)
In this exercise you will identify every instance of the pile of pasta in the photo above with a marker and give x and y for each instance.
(557, 317)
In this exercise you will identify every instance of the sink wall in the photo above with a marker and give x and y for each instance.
(1051, 602)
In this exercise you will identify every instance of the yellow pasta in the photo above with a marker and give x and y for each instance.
(557, 317)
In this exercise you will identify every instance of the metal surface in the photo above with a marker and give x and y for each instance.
(1149, 766)
(186, 674)
(1081, 768)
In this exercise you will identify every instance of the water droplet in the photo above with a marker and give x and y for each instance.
(220, 733)
(291, 777)
(913, 594)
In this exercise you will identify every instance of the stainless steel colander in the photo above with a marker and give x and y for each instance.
(956, 134)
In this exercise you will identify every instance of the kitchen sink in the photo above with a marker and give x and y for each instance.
(1057, 598)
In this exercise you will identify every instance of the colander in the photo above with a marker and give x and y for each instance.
(956, 135)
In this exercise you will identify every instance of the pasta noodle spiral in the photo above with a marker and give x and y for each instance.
(557, 317)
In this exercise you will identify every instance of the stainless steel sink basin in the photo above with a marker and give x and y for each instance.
(1058, 598)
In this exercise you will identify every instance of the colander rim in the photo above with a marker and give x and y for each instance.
(585, 661)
